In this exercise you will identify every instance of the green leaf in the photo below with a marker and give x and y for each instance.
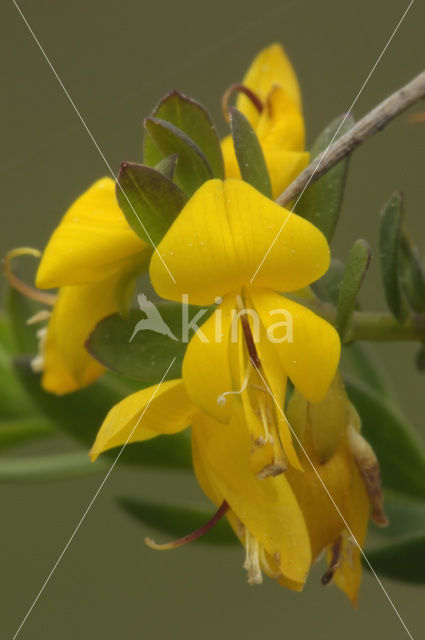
(355, 271)
(19, 309)
(177, 521)
(128, 346)
(193, 168)
(328, 286)
(406, 516)
(403, 560)
(321, 201)
(249, 154)
(167, 166)
(400, 453)
(360, 362)
(389, 244)
(81, 413)
(49, 468)
(411, 273)
(190, 117)
(17, 430)
(149, 200)
(13, 400)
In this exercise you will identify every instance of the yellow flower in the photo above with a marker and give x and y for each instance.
(284, 521)
(213, 249)
(93, 257)
(339, 483)
(233, 387)
(280, 125)
(263, 512)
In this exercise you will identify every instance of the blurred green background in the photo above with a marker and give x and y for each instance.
(117, 60)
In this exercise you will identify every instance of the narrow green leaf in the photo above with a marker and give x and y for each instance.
(190, 117)
(328, 286)
(17, 430)
(13, 400)
(411, 273)
(149, 200)
(359, 361)
(49, 468)
(19, 309)
(167, 166)
(420, 358)
(81, 413)
(400, 453)
(389, 244)
(249, 154)
(406, 517)
(128, 346)
(403, 560)
(193, 168)
(355, 271)
(177, 521)
(321, 201)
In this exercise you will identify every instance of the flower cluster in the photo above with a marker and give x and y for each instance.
(285, 462)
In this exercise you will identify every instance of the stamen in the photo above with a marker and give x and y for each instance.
(252, 559)
(40, 316)
(240, 88)
(24, 288)
(195, 535)
(221, 400)
(334, 564)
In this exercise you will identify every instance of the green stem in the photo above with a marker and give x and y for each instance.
(373, 326)
(15, 430)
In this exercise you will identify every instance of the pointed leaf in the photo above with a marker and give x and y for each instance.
(403, 560)
(141, 345)
(17, 430)
(389, 243)
(400, 453)
(81, 413)
(411, 273)
(49, 468)
(321, 201)
(359, 361)
(167, 166)
(328, 286)
(19, 309)
(177, 521)
(149, 200)
(249, 154)
(193, 168)
(190, 117)
(355, 271)
(406, 516)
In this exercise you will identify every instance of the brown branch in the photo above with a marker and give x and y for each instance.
(374, 121)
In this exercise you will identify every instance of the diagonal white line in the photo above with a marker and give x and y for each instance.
(83, 517)
(83, 122)
(334, 136)
(334, 503)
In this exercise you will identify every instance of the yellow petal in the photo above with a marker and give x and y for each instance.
(348, 575)
(92, 241)
(218, 240)
(160, 409)
(283, 166)
(310, 352)
(281, 125)
(206, 370)
(67, 363)
(270, 67)
(267, 508)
